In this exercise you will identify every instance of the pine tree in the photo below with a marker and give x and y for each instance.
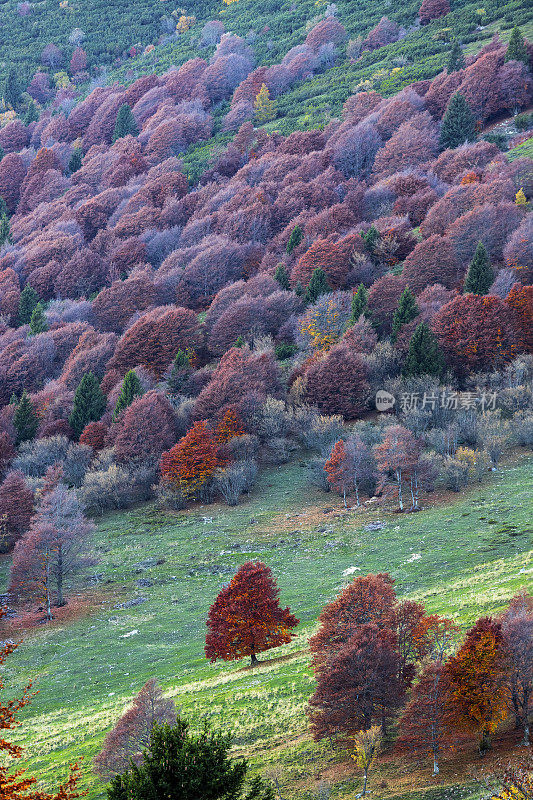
(179, 764)
(239, 342)
(38, 323)
(131, 388)
(456, 59)
(75, 161)
(370, 238)
(31, 115)
(125, 123)
(407, 310)
(480, 275)
(12, 90)
(89, 403)
(28, 300)
(299, 290)
(424, 356)
(282, 277)
(318, 285)
(5, 230)
(458, 123)
(294, 239)
(359, 304)
(25, 420)
(264, 107)
(517, 50)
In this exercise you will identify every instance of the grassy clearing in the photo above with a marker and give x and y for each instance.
(524, 150)
(462, 558)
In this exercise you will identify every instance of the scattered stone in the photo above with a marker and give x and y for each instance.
(374, 526)
(143, 582)
(135, 601)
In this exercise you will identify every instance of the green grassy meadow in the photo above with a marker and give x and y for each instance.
(463, 558)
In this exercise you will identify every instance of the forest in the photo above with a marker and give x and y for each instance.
(227, 251)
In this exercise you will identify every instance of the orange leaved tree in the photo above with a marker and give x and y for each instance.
(229, 426)
(15, 785)
(246, 618)
(192, 461)
(477, 676)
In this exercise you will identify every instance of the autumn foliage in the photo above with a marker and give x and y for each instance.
(246, 618)
(192, 461)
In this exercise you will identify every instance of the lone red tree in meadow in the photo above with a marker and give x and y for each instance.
(246, 618)
(338, 469)
(131, 734)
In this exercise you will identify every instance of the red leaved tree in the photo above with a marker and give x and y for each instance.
(191, 463)
(517, 628)
(427, 726)
(338, 469)
(397, 459)
(16, 508)
(246, 618)
(478, 679)
(475, 332)
(357, 685)
(131, 733)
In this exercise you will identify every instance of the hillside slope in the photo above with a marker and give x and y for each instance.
(462, 558)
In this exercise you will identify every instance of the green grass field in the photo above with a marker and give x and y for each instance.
(463, 558)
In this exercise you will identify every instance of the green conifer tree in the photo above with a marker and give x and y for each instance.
(38, 323)
(317, 286)
(517, 50)
(407, 310)
(89, 403)
(456, 60)
(458, 124)
(424, 356)
(359, 304)
(75, 161)
(28, 300)
(180, 765)
(25, 420)
(480, 275)
(282, 277)
(131, 388)
(371, 238)
(294, 239)
(11, 88)
(125, 123)
(5, 230)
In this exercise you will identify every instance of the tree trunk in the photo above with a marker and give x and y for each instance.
(485, 743)
(525, 740)
(344, 497)
(254, 660)
(59, 580)
(435, 764)
(356, 487)
(399, 479)
(364, 783)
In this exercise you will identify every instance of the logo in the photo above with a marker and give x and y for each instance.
(384, 400)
